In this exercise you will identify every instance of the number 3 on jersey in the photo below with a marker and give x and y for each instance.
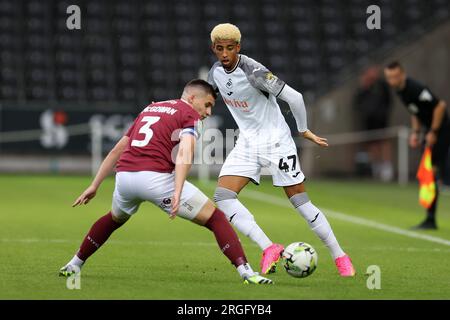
(146, 130)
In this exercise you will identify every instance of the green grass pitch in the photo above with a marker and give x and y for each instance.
(152, 257)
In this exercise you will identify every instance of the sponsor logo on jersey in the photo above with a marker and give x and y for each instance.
(243, 105)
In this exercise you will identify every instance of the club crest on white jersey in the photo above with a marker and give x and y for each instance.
(249, 91)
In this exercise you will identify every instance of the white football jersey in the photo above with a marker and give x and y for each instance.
(249, 91)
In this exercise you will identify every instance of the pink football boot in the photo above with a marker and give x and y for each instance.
(270, 258)
(345, 266)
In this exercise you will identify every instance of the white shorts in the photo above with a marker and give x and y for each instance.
(279, 160)
(132, 188)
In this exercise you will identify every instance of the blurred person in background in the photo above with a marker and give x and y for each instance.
(428, 115)
(372, 104)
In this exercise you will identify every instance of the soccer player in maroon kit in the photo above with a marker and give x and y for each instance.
(150, 169)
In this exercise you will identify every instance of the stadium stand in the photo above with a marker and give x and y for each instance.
(133, 51)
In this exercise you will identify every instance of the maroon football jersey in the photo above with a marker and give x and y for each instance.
(154, 134)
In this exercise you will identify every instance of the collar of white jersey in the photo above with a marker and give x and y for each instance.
(235, 67)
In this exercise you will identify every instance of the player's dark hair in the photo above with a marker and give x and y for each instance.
(203, 85)
(394, 65)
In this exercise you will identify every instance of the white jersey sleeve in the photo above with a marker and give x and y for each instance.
(297, 105)
(249, 92)
(261, 78)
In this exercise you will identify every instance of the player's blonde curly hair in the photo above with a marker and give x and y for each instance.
(225, 31)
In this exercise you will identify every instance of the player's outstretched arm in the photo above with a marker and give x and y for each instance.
(297, 106)
(183, 164)
(295, 101)
(105, 169)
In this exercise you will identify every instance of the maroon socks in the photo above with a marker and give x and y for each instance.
(226, 238)
(225, 235)
(97, 235)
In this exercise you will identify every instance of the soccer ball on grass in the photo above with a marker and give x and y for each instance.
(299, 259)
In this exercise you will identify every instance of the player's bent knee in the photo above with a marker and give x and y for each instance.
(224, 194)
(119, 216)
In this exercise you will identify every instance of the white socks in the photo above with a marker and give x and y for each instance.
(243, 220)
(76, 261)
(317, 222)
(245, 270)
(240, 217)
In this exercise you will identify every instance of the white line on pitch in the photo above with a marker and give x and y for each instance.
(261, 196)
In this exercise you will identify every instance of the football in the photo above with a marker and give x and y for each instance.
(299, 259)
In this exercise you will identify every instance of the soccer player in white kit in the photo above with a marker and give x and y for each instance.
(150, 169)
(250, 92)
